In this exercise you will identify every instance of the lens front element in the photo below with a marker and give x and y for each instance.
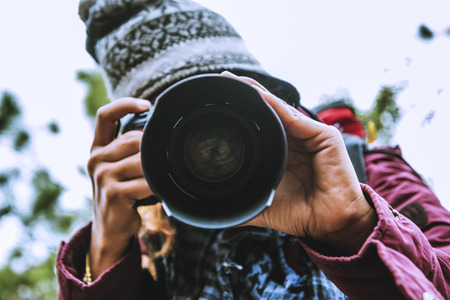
(214, 152)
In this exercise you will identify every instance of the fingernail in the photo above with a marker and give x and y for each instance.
(258, 88)
(228, 74)
(144, 103)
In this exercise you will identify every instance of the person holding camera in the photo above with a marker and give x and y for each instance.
(324, 234)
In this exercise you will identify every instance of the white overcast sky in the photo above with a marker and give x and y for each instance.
(325, 48)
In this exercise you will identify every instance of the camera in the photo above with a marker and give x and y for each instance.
(213, 151)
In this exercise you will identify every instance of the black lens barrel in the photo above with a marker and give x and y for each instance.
(213, 151)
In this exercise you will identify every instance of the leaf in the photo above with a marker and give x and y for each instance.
(9, 110)
(82, 170)
(21, 140)
(428, 118)
(4, 179)
(5, 210)
(47, 193)
(7, 176)
(53, 127)
(371, 132)
(97, 94)
(16, 253)
(64, 222)
(425, 33)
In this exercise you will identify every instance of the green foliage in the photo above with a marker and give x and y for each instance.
(427, 34)
(47, 193)
(10, 125)
(37, 282)
(43, 217)
(384, 113)
(97, 94)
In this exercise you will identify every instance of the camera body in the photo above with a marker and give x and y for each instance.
(213, 151)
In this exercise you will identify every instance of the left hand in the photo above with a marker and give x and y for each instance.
(319, 196)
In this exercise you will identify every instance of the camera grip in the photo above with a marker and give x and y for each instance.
(133, 122)
(151, 200)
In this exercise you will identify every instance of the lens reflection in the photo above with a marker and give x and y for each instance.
(214, 153)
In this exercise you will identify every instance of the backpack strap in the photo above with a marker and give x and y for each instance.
(355, 147)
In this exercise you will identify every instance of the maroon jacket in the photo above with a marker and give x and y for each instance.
(404, 257)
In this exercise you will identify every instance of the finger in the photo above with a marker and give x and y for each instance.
(125, 145)
(257, 221)
(245, 79)
(150, 200)
(109, 115)
(295, 123)
(128, 168)
(288, 114)
(133, 190)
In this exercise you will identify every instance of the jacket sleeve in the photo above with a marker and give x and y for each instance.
(404, 257)
(123, 280)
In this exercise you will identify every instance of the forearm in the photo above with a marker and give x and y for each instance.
(396, 261)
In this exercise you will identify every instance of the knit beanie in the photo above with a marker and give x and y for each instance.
(144, 46)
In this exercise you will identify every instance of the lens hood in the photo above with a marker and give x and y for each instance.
(213, 151)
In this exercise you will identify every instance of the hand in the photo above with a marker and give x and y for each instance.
(117, 180)
(319, 196)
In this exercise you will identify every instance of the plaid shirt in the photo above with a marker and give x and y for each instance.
(239, 263)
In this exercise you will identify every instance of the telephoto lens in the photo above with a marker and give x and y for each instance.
(213, 151)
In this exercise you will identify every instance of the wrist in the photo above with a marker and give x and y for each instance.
(352, 241)
(349, 240)
(105, 250)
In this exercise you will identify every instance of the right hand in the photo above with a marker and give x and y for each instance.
(117, 180)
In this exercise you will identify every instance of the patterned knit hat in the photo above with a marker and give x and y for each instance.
(144, 46)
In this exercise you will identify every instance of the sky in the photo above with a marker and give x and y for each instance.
(325, 48)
